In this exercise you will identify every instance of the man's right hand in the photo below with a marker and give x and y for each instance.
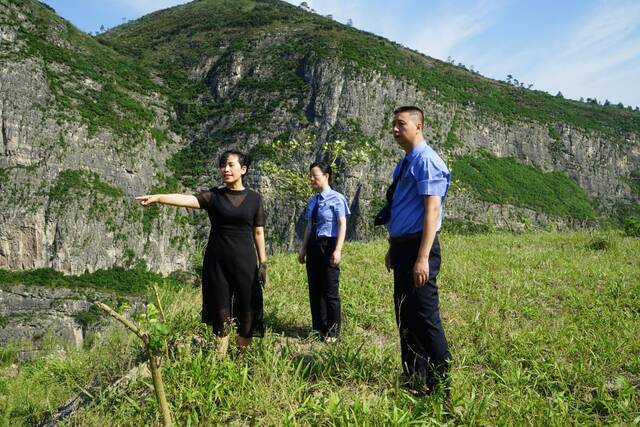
(387, 262)
(301, 256)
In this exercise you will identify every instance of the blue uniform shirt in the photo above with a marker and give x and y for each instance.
(332, 205)
(424, 175)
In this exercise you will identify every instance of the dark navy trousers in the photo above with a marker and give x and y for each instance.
(324, 282)
(425, 353)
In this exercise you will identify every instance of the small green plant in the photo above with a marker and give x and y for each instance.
(157, 330)
(453, 141)
(197, 258)
(153, 331)
(9, 353)
(554, 134)
(284, 162)
(342, 154)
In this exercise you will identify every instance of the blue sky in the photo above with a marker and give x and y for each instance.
(583, 48)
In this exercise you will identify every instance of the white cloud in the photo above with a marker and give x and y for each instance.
(368, 15)
(341, 10)
(148, 6)
(599, 58)
(607, 25)
(444, 33)
(444, 28)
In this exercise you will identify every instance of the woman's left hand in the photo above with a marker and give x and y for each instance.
(421, 272)
(335, 259)
(262, 274)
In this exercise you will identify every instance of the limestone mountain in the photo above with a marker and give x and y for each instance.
(88, 122)
(80, 126)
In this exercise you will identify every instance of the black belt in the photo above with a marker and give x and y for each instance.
(405, 238)
(322, 238)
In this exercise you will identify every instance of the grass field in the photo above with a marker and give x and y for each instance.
(543, 328)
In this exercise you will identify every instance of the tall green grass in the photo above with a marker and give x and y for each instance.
(542, 328)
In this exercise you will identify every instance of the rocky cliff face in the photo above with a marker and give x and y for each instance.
(73, 155)
(83, 228)
(67, 191)
(337, 99)
(32, 313)
(597, 163)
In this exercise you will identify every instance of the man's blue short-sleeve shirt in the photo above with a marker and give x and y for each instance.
(425, 175)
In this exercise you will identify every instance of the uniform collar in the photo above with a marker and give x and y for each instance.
(422, 145)
(325, 193)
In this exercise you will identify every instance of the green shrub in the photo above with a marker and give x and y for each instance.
(632, 226)
(76, 184)
(8, 355)
(452, 140)
(634, 182)
(90, 316)
(599, 243)
(117, 279)
(459, 226)
(554, 134)
(506, 181)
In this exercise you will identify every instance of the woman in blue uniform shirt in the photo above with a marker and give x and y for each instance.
(322, 250)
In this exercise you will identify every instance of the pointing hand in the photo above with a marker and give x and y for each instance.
(147, 200)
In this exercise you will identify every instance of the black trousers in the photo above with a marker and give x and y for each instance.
(425, 353)
(324, 281)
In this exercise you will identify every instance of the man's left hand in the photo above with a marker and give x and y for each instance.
(421, 272)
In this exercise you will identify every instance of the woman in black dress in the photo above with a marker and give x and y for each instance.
(231, 275)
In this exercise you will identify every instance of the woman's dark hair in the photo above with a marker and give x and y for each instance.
(325, 168)
(243, 158)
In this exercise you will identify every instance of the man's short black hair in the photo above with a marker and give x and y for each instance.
(411, 109)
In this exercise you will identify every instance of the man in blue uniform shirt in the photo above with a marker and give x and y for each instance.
(422, 181)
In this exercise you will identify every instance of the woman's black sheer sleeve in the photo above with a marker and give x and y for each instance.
(205, 199)
(259, 218)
